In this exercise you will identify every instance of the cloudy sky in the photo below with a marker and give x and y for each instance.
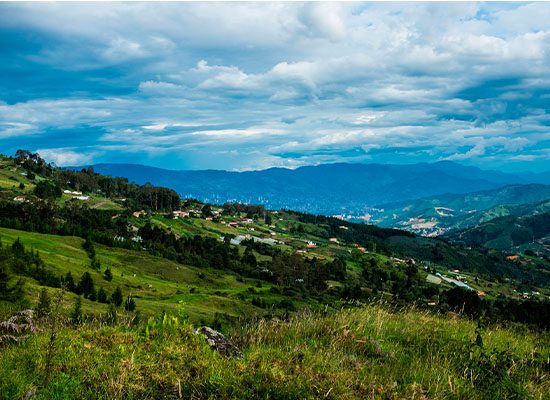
(253, 85)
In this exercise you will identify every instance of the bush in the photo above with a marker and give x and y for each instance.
(47, 190)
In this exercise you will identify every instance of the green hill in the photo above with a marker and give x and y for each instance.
(528, 229)
(130, 270)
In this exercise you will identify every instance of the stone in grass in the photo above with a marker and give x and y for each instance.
(219, 342)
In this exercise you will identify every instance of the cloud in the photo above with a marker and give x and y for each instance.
(248, 85)
(65, 157)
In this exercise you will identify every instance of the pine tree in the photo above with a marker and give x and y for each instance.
(18, 248)
(76, 313)
(85, 285)
(130, 304)
(108, 275)
(4, 283)
(69, 282)
(43, 307)
(116, 297)
(102, 295)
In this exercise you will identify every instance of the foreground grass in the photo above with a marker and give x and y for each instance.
(368, 352)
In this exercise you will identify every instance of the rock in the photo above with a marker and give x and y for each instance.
(31, 394)
(217, 341)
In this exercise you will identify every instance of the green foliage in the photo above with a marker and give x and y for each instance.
(102, 295)
(108, 275)
(47, 190)
(86, 286)
(116, 297)
(112, 317)
(43, 308)
(361, 353)
(130, 304)
(76, 313)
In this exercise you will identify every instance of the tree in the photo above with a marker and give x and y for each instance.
(129, 304)
(76, 313)
(108, 275)
(102, 295)
(86, 285)
(69, 282)
(267, 219)
(5, 290)
(17, 248)
(43, 307)
(88, 245)
(47, 190)
(116, 297)
(206, 211)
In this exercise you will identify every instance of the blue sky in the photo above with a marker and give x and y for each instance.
(253, 85)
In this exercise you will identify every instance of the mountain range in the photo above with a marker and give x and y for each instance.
(437, 214)
(350, 190)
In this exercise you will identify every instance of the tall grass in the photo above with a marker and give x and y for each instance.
(369, 352)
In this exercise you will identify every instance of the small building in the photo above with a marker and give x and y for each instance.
(311, 245)
(514, 257)
(83, 198)
(137, 214)
(180, 214)
(333, 240)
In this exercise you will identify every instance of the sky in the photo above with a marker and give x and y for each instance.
(243, 86)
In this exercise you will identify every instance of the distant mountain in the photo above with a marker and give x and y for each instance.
(435, 215)
(528, 228)
(330, 189)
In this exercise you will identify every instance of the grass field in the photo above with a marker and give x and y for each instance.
(156, 283)
(367, 352)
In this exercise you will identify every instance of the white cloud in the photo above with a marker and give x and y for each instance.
(66, 157)
(204, 76)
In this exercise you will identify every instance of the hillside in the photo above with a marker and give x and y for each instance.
(526, 228)
(120, 275)
(436, 215)
(329, 189)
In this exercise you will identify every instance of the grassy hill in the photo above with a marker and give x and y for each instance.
(369, 352)
(321, 308)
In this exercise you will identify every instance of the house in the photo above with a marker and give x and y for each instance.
(137, 214)
(247, 220)
(233, 224)
(180, 214)
(81, 197)
(512, 258)
(311, 245)
(481, 293)
(76, 193)
(333, 240)
(21, 199)
(343, 227)
(431, 303)
(208, 218)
